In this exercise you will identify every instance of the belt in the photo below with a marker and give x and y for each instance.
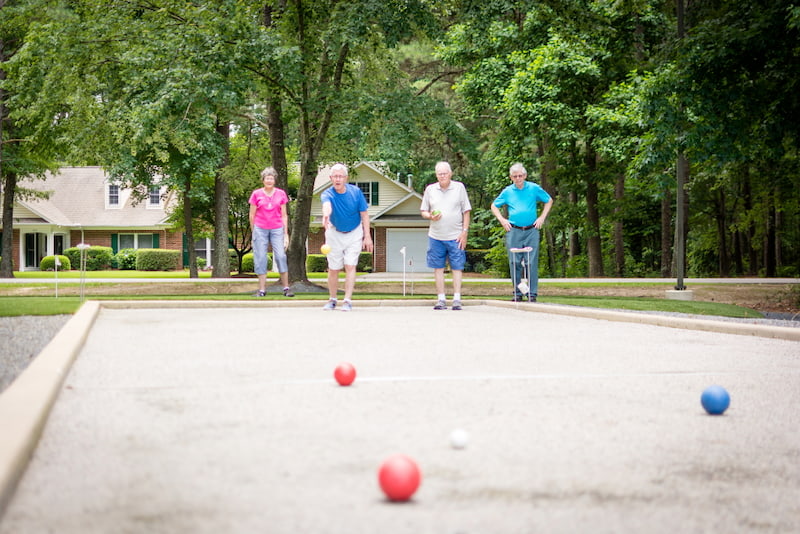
(522, 227)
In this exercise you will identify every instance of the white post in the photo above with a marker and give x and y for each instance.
(403, 252)
(57, 264)
(411, 263)
(83, 247)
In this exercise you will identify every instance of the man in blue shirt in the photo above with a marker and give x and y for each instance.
(522, 227)
(346, 223)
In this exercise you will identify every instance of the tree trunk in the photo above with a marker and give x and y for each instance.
(752, 253)
(738, 260)
(574, 236)
(277, 147)
(8, 185)
(723, 262)
(547, 169)
(187, 222)
(593, 243)
(681, 219)
(666, 234)
(769, 245)
(220, 259)
(619, 234)
(7, 251)
(301, 220)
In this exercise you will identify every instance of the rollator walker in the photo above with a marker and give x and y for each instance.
(523, 286)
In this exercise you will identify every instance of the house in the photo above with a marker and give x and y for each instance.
(394, 217)
(86, 207)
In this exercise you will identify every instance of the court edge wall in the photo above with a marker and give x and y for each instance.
(25, 405)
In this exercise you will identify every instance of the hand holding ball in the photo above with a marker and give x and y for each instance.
(325, 249)
(436, 213)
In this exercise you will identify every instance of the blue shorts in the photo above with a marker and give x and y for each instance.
(440, 251)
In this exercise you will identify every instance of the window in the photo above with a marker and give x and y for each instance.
(113, 195)
(154, 196)
(136, 241)
(370, 191)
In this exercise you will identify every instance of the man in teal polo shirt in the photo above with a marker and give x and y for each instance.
(522, 226)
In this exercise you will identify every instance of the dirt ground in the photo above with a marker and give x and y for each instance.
(784, 298)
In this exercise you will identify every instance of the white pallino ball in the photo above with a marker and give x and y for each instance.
(459, 438)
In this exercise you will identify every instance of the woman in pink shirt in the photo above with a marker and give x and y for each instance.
(269, 221)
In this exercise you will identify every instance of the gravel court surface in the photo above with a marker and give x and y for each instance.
(228, 420)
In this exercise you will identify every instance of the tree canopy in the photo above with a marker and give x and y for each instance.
(600, 101)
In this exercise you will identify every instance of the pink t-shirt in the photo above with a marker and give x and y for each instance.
(268, 208)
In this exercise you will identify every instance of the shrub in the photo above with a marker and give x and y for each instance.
(476, 260)
(364, 262)
(201, 263)
(247, 263)
(316, 263)
(157, 259)
(126, 259)
(48, 263)
(97, 258)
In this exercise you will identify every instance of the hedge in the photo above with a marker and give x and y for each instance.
(157, 259)
(126, 259)
(97, 258)
(48, 263)
(318, 263)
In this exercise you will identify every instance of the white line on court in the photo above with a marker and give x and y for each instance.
(451, 378)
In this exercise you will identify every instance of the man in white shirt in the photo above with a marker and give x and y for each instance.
(447, 206)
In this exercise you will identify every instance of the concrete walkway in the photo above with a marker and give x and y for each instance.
(224, 417)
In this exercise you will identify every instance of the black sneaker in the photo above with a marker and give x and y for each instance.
(517, 299)
(531, 299)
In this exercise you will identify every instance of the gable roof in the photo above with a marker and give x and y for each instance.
(78, 198)
(399, 203)
(323, 179)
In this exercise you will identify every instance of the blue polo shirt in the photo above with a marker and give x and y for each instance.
(522, 203)
(347, 207)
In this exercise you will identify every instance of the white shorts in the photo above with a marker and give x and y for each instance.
(345, 247)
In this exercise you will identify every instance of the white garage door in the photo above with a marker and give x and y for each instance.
(416, 242)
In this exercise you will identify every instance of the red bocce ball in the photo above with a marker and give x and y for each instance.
(399, 477)
(344, 374)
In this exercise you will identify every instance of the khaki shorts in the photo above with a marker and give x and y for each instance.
(345, 247)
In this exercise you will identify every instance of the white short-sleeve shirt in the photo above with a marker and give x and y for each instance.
(452, 202)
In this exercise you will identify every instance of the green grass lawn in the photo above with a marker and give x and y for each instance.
(15, 306)
(657, 305)
(76, 275)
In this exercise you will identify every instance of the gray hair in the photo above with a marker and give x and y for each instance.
(443, 164)
(269, 171)
(517, 167)
(340, 167)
